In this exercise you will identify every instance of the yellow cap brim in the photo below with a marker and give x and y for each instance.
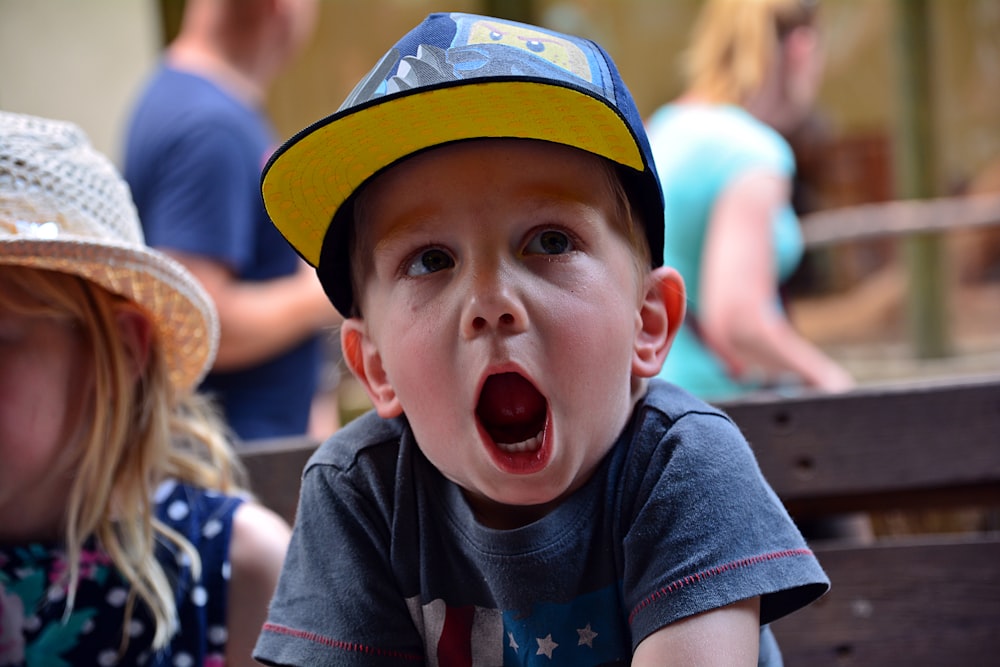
(312, 176)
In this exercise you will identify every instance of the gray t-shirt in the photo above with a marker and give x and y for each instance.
(388, 566)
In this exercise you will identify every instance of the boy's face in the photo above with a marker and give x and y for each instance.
(505, 316)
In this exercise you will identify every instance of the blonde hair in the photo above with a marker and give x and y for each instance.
(143, 434)
(734, 44)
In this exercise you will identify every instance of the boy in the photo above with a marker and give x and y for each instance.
(485, 212)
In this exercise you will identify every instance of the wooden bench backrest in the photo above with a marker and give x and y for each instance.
(904, 600)
(909, 600)
(924, 445)
(275, 470)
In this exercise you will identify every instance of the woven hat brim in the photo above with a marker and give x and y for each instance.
(181, 311)
(315, 172)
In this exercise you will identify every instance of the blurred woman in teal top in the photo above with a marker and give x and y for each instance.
(753, 69)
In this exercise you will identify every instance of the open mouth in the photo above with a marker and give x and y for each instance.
(513, 413)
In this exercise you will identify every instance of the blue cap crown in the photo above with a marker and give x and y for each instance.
(455, 77)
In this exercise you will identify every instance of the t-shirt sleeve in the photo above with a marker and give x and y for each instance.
(206, 194)
(336, 578)
(707, 530)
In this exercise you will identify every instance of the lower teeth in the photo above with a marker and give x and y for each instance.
(531, 444)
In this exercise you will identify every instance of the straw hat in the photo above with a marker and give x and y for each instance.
(64, 207)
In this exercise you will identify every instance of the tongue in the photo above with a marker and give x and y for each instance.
(511, 408)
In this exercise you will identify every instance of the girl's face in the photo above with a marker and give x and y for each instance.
(42, 384)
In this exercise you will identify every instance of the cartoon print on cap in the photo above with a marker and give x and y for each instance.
(475, 33)
(484, 47)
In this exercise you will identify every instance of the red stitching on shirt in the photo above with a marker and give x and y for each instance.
(719, 569)
(336, 643)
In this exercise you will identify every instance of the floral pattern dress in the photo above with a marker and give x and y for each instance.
(37, 631)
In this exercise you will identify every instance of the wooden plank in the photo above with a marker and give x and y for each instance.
(275, 471)
(934, 445)
(879, 448)
(899, 218)
(909, 603)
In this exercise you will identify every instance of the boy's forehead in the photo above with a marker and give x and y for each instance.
(514, 159)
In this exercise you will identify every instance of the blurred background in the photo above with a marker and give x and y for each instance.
(909, 109)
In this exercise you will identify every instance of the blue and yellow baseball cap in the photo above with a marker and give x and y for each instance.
(454, 77)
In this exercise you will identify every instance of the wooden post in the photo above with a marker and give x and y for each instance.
(915, 169)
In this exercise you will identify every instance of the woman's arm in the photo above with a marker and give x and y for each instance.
(727, 637)
(737, 306)
(256, 554)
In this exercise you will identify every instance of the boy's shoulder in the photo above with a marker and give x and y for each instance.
(369, 432)
(671, 424)
(675, 403)
(359, 437)
(668, 412)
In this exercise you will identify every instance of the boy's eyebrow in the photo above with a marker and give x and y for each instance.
(401, 231)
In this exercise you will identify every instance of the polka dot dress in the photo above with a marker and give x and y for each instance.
(36, 630)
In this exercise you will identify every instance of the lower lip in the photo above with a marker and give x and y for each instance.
(520, 463)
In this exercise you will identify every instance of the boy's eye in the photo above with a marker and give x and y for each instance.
(429, 261)
(549, 242)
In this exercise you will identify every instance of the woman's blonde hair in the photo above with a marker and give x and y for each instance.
(734, 43)
(143, 434)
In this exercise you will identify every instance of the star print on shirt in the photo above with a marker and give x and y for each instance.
(546, 646)
(586, 636)
(587, 631)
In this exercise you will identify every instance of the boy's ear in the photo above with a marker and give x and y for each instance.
(363, 358)
(136, 331)
(660, 315)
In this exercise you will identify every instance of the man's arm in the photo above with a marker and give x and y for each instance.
(259, 320)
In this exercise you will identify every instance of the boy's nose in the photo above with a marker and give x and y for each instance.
(493, 304)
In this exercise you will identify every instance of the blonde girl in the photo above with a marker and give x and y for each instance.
(126, 535)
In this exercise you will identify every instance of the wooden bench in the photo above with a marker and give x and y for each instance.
(918, 599)
(275, 470)
(902, 600)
